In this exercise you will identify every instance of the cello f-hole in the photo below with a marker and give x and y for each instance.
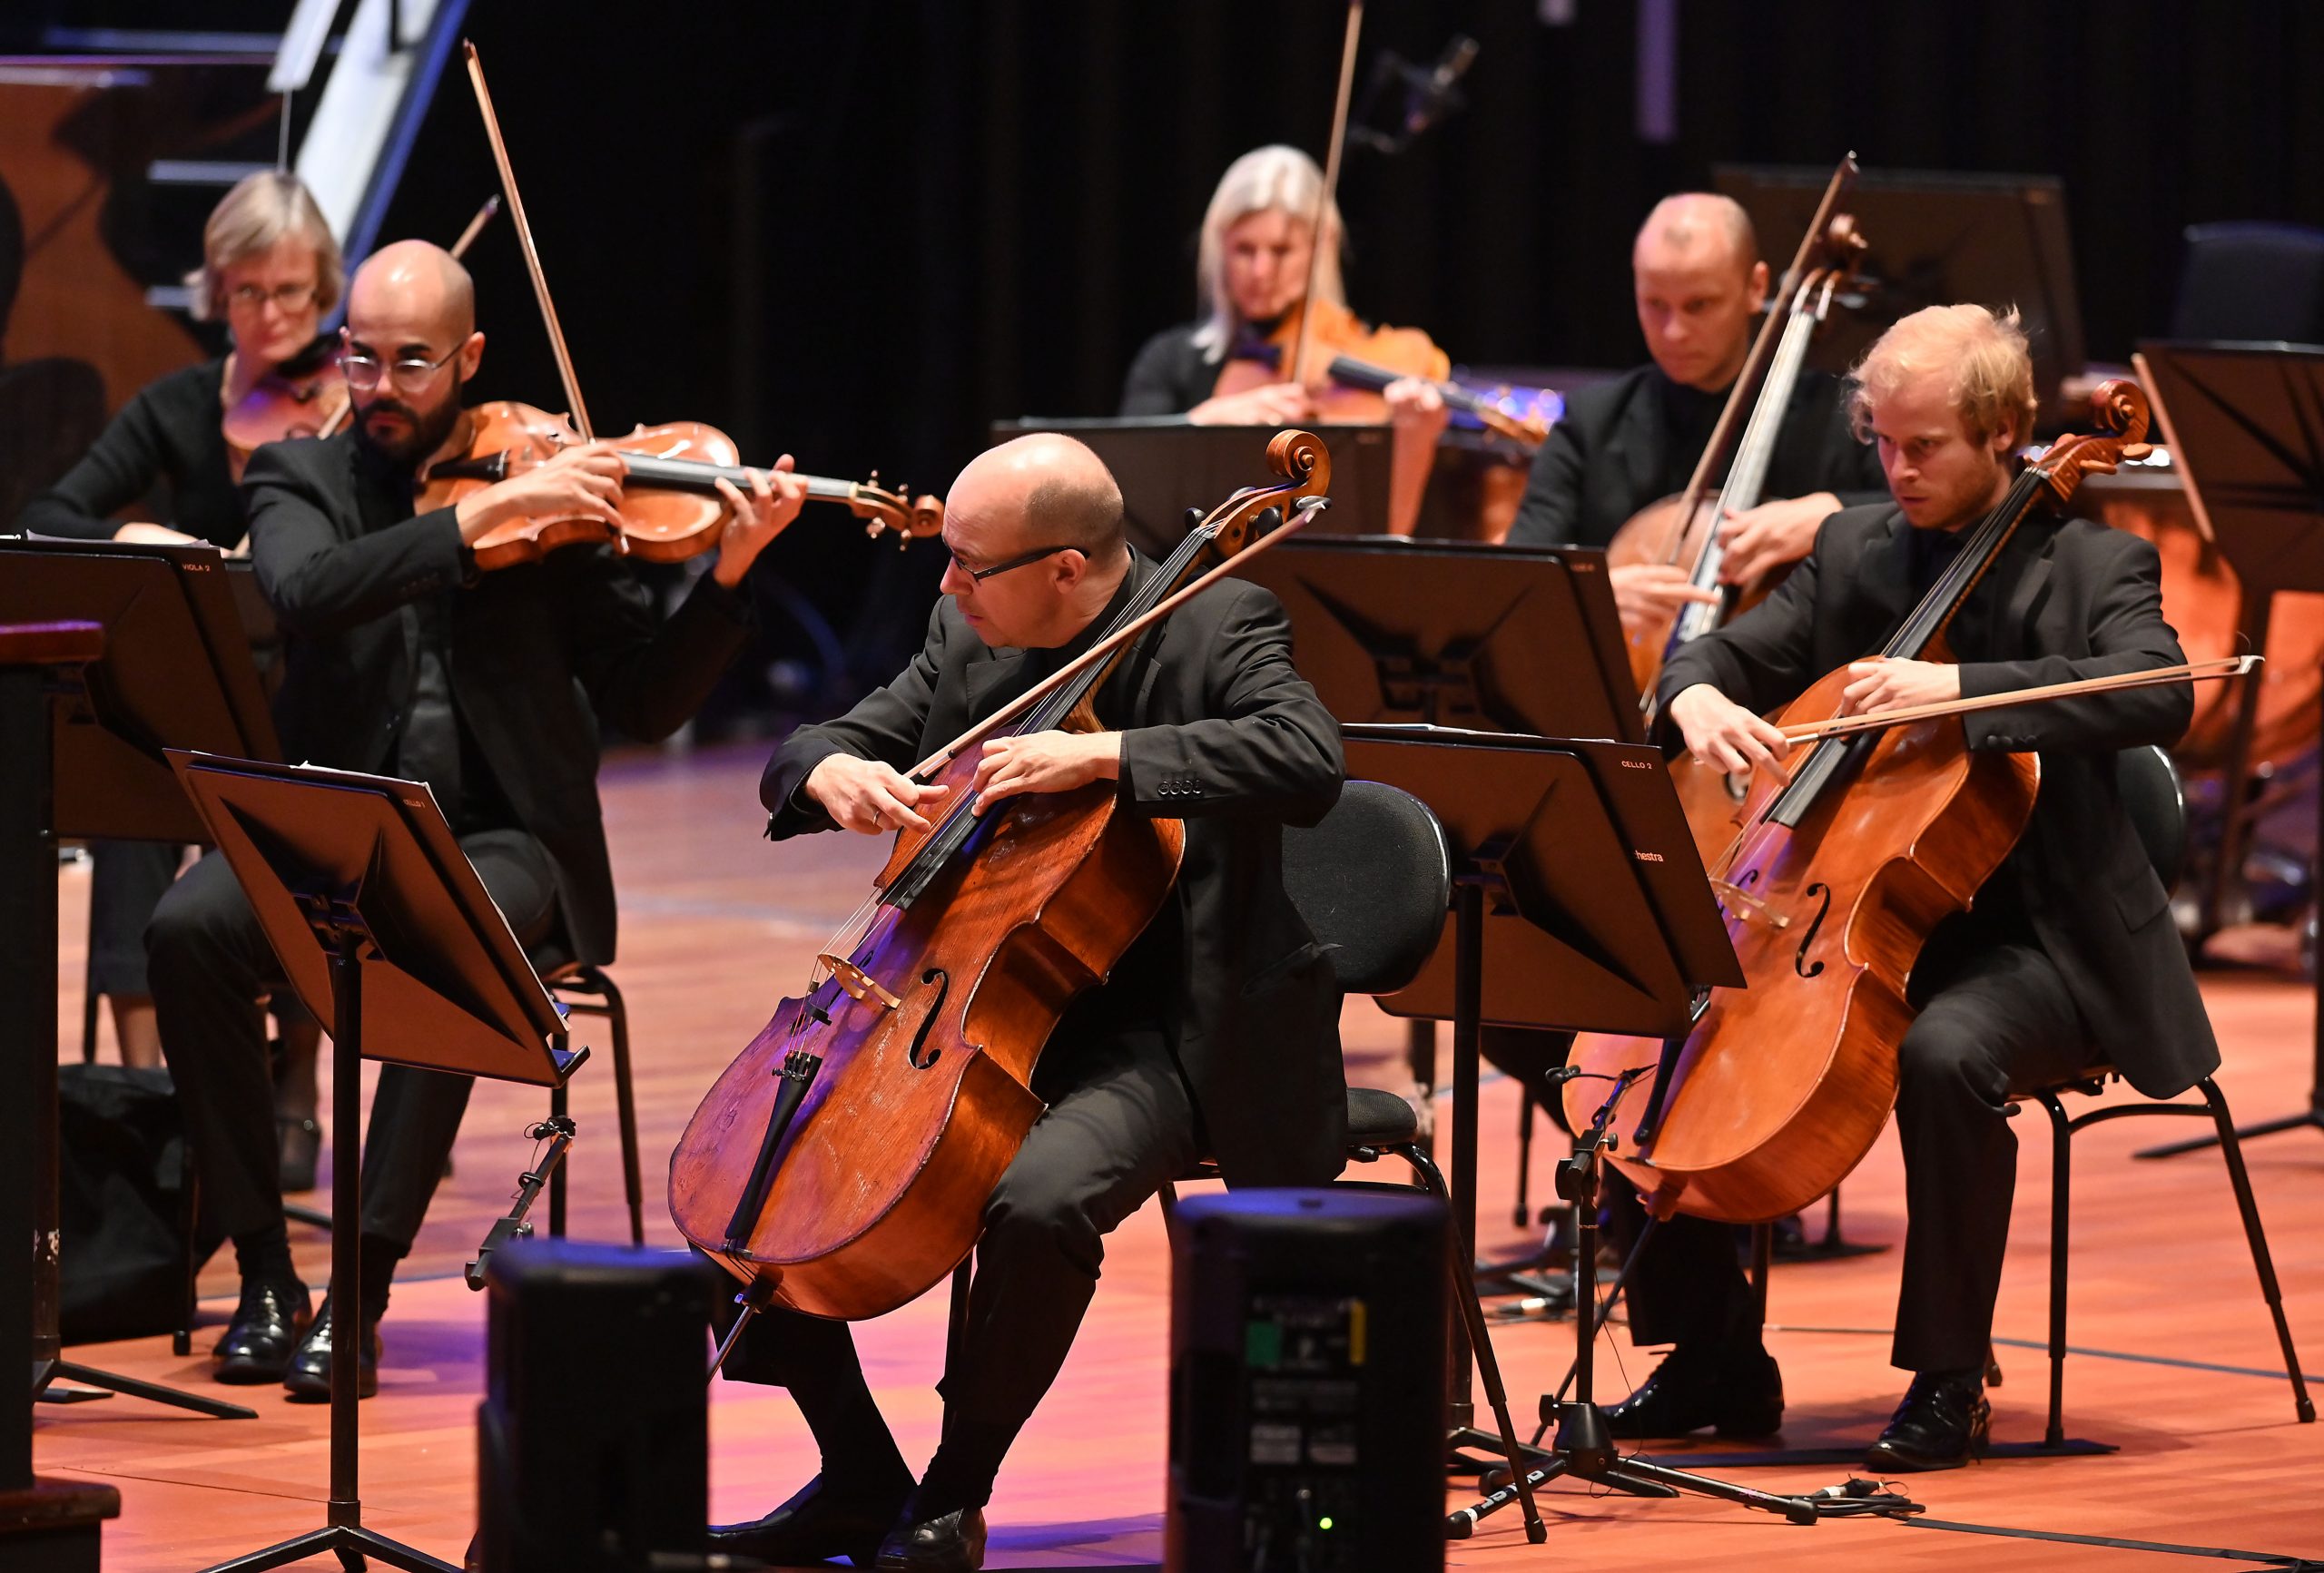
(1800, 958)
(943, 982)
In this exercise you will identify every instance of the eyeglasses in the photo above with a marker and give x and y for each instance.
(981, 574)
(289, 297)
(365, 372)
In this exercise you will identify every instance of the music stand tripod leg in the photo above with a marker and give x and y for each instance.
(343, 1533)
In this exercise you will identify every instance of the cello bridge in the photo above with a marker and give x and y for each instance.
(858, 984)
(1752, 905)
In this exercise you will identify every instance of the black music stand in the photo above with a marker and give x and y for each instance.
(1167, 464)
(177, 672)
(385, 932)
(1579, 903)
(1504, 639)
(2247, 429)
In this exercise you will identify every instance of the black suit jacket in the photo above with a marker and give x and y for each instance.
(2067, 600)
(1219, 730)
(532, 648)
(171, 434)
(1606, 456)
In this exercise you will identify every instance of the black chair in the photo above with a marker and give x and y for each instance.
(2252, 282)
(1373, 881)
(2150, 791)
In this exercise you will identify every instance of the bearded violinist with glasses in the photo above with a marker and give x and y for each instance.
(402, 659)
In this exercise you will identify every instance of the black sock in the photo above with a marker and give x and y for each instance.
(858, 1452)
(961, 1473)
(264, 1254)
(376, 1257)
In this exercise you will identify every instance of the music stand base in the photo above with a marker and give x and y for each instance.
(129, 1387)
(2313, 1120)
(352, 1543)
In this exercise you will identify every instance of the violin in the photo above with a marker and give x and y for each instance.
(1685, 529)
(840, 1165)
(300, 398)
(670, 509)
(1839, 868)
(1346, 367)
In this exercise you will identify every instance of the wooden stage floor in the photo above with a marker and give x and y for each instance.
(2173, 1360)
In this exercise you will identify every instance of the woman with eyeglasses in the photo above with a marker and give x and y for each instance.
(271, 270)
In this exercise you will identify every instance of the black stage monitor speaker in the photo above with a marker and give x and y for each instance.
(593, 1440)
(1307, 1415)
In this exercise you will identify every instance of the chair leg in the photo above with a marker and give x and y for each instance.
(1462, 1279)
(2053, 1433)
(626, 1101)
(2230, 1148)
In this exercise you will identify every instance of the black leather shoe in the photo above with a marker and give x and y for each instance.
(267, 1324)
(817, 1524)
(301, 1144)
(1739, 1392)
(1942, 1424)
(307, 1377)
(953, 1543)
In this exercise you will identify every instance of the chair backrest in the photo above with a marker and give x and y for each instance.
(1374, 881)
(2149, 782)
(2252, 282)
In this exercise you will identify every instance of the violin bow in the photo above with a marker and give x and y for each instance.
(1318, 236)
(524, 240)
(476, 226)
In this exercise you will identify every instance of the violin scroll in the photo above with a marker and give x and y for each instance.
(884, 512)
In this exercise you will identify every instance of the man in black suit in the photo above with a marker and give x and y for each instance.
(1217, 1031)
(1620, 446)
(399, 657)
(2068, 954)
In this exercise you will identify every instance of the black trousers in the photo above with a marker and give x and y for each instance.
(1120, 1124)
(1994, 1018)
(209, 962)
(126, 881)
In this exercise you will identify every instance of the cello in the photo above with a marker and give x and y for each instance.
(841, 1164)
(1839, 868)
(1685, 529)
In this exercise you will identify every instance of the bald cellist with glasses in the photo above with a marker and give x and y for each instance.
(1216, 1032)
(2066, 957)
